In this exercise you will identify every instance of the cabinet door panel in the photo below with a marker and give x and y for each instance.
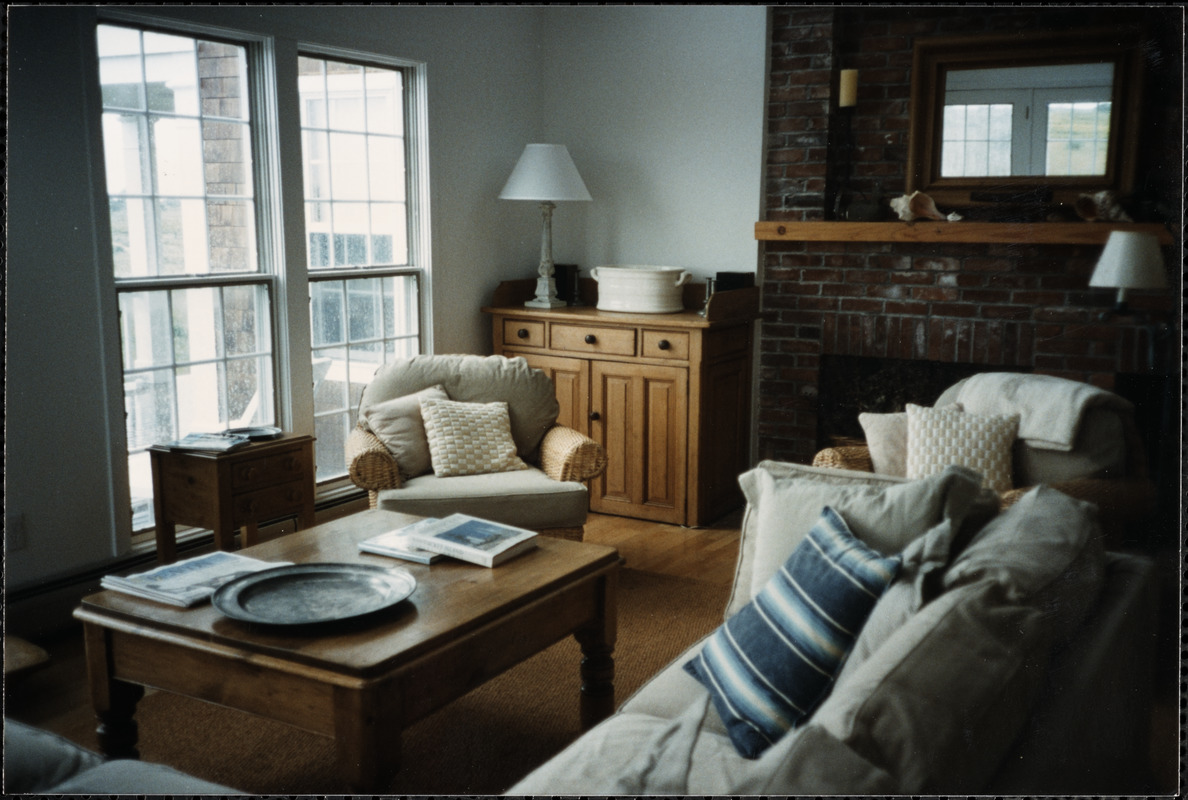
(571, 377)
(641, 419)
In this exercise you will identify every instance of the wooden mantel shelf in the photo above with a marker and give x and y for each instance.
(957, 232)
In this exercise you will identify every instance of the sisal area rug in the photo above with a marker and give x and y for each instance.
(479, 745)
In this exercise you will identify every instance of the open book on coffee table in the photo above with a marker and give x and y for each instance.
(472, 539)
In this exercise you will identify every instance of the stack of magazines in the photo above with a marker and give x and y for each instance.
(210, 442)
(188, 582)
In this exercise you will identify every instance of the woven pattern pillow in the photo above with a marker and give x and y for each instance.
(469, 438)
(771, 664)
(939, 437)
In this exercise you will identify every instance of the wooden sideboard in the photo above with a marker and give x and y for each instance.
(667, 395)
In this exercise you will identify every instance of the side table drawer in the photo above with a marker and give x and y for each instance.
(524, 333)
(591, 339)
(672, 345)
(275, 501)
(286, 465)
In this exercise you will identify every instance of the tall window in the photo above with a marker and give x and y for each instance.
(200, 341)
(195, 310)
(363, 295)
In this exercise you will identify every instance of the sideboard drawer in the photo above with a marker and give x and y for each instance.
(592, 339)
(274, 468)
(672, 345)
(524, 333)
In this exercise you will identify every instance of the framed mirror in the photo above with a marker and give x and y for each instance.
(1024, 120)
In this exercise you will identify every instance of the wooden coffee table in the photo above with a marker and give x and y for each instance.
(362, 684)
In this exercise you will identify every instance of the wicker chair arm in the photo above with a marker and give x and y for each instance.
(369, 462)
(855, 457)
(567, 455)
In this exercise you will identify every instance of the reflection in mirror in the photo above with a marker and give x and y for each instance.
(1025, 123)
(1042, 120)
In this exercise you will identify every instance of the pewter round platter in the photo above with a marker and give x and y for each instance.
(305, 594)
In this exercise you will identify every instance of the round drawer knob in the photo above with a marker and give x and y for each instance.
(664, 344)
(595, 416)
(522, 333)
(591, 338)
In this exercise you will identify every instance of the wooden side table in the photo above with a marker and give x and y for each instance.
(224, 491)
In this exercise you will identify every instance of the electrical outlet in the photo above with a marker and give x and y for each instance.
(14, 532)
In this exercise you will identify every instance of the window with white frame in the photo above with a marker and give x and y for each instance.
(200, 340)
(363, 308)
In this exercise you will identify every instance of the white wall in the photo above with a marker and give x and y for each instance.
(660, 106)
(662, 109)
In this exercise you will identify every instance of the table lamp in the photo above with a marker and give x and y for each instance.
(545, 173)
(1130, 260)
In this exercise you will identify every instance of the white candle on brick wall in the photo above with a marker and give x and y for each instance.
(848, 88)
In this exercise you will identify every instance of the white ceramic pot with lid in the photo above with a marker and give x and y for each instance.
(642, 289)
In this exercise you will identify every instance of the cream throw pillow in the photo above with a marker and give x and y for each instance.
(940, 437)
(398, 424)
(469, 438)
(886, 438)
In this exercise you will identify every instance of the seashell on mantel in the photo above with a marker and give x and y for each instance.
(918, 205)
(1101, 206)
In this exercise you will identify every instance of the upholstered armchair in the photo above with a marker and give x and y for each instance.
(1071, 436)
(476, 435)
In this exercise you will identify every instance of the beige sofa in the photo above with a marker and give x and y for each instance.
(1011, 654)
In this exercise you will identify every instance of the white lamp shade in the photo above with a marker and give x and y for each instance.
(1130, 260)
(545, 173)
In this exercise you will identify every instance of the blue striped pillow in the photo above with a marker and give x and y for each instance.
(769, 665)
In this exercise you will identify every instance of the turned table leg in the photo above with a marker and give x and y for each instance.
(114, 700)
(598, 664)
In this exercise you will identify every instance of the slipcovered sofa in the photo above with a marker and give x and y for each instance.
(40, 762)
(1008, 654)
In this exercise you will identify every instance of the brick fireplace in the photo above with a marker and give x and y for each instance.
(1019, 305)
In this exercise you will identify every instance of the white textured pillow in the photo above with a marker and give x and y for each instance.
(940, 437)
(887, 439)
(469, 438)
(398, 424)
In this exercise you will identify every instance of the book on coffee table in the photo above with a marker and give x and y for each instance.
(397, 544)
(472, 539)
(187, 582)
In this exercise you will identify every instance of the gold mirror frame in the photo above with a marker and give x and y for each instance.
(934, 58)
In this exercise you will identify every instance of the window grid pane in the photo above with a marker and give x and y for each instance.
(976, 140)
(353, 143)
(1077, 138)
(176, 134)
(358, 325)
(195, 360)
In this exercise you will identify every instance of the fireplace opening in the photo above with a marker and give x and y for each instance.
(852, 385)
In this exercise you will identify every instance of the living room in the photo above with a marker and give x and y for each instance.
(679, 174)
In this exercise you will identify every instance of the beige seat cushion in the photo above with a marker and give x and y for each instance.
(529, 394)
(945, 697)
(526, 498)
